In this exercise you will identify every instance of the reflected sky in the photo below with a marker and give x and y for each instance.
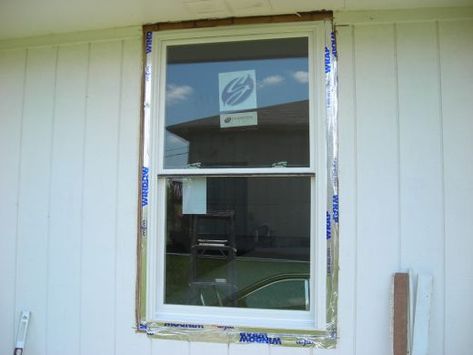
(192, 88)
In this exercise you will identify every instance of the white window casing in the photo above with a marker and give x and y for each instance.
(156, 309)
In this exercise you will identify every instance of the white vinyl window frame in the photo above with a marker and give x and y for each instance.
(156, 309)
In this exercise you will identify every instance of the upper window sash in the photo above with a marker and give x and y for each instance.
(278, 167)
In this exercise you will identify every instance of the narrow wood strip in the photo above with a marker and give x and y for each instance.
(400, 314)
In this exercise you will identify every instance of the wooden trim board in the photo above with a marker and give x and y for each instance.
(401, 314)
(249, 20)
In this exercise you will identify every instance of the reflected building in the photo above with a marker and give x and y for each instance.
(281, 135)
(272, 214)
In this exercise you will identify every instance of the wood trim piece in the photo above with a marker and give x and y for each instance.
(401, 314)
(249, 20)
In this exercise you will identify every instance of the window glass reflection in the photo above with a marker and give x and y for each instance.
(237, 104)
(231, 240)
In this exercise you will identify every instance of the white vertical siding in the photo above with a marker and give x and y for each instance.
(34, 192)
(69, 132)
(164, 346)
(64, 260)
(348, 296)
(12, 77)
(421, 175)
(456, 58)
(406, 174)
(377, 173)
(99, 225)
(69, 154)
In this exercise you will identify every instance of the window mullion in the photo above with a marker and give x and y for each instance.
(238, 172)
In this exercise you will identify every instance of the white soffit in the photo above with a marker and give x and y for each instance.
(24, 18)
(403, 4)
(250, 7)
(207, 8)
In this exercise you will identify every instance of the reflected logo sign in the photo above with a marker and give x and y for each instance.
(237, 90)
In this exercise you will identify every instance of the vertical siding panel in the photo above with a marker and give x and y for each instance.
(218, 349)
(378, 185)
(456, 52)
(282, 350)
(127, 342)
(33, 214)
(99, 219)
(66, 202)
(165, 346)
(422, 237)
(348, 192)
(12, 72)
(247, 349)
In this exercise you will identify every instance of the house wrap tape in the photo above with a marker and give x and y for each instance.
(322, 338)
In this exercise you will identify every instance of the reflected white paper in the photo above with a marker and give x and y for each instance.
(240, 119)
(194, 195)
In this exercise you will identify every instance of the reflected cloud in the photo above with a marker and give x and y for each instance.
(301, 76)
(178, 93)
(270, 81)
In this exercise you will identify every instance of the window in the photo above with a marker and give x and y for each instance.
(237, 178)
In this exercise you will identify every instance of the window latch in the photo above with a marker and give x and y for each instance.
(280, 164)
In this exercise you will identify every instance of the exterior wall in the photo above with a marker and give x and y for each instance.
(69, 129)
(406, 136)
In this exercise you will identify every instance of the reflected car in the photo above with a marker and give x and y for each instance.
(283, 291)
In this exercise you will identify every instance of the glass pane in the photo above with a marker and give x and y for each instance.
(237, 104)
(287, 293)
(234, 241)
